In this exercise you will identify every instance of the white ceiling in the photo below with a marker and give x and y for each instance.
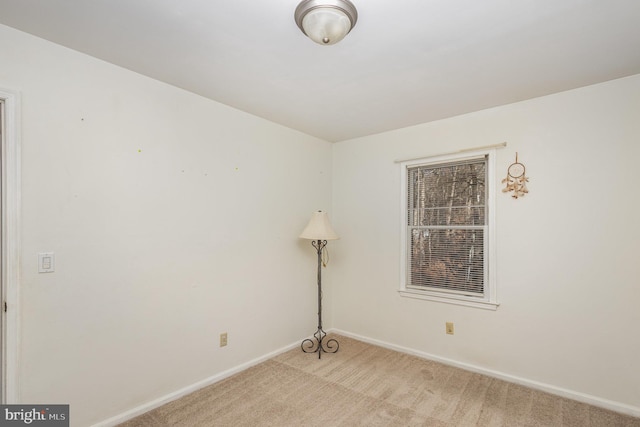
(406, 61)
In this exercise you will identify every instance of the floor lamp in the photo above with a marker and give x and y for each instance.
(319, 231)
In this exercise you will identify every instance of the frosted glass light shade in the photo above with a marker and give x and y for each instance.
(326, 26)
(319, 228)
(326, 22)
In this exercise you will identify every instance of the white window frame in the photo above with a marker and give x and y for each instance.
(490, 299)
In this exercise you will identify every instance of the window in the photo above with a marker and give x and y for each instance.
(447, 230)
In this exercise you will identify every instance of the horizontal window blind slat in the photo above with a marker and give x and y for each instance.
(447, 216)
(447, 227)
(447, 291)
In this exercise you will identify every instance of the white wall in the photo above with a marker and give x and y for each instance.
(173, 218)
(567, 253)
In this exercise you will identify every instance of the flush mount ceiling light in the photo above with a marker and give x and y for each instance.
(326, 21)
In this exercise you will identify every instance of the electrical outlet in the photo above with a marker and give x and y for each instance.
(449, 328)
(223, 339)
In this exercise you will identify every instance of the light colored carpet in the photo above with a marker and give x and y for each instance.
(366, 385)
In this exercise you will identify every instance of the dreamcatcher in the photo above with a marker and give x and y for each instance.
(516, 180)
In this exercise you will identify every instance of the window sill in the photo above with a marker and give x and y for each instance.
(485, 305)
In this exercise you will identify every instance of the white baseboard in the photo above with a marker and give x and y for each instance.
(146, 407)
(558, 391)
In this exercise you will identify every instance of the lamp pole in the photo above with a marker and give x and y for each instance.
(318, 346)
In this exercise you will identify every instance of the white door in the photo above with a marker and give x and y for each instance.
(9, 244)
(2, 293)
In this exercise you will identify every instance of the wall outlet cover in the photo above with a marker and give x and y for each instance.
(449, 328)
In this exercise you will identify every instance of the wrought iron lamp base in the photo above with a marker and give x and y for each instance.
(320, 346)
(330, 345)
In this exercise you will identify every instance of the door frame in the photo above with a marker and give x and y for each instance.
(10, 222)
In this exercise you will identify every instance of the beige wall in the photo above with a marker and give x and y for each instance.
(173, 218)
(567, 253)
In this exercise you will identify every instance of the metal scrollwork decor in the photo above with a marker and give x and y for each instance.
(516, 180)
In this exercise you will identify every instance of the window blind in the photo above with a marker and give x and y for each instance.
(446, 227)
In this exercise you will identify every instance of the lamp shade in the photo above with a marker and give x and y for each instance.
(319, 228)
(326, 22)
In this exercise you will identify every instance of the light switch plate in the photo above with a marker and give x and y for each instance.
(46, 262)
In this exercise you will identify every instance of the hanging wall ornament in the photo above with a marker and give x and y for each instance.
(516, 180)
